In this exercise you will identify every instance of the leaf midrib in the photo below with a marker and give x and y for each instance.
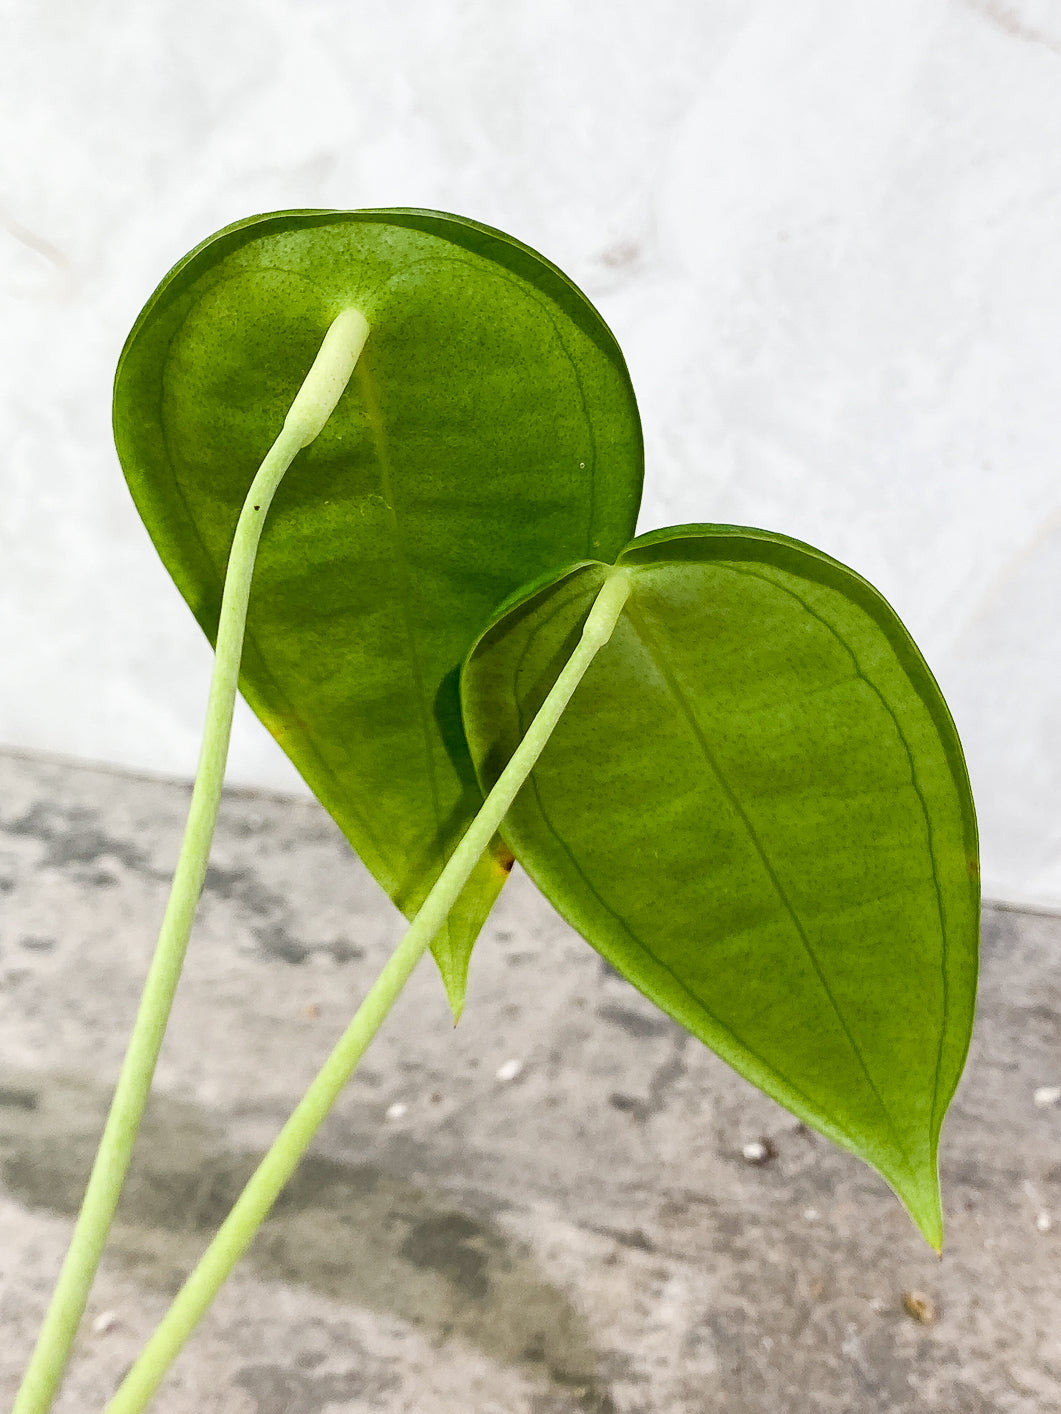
(374, 416)
(937, 1118)
(659, 660)
(697, 1003)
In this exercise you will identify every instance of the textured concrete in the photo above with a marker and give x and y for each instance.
(580, 1231)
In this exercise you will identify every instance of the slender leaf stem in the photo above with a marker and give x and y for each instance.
(313, 405)
(265, 1185)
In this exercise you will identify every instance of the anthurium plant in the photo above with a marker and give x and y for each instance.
(393, 462)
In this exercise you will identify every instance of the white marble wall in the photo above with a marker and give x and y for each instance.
(826, 232)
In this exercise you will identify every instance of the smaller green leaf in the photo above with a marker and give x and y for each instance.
(756, 808)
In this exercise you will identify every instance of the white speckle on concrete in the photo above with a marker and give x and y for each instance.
(398, 1110)
(1047, 1095)
(759, 1151)
(511, 1070)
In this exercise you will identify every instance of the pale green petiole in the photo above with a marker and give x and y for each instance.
(313, 405)
(253, 1205)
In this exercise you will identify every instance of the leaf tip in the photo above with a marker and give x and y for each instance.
(455, 982)
(920, 1196)
(456, 1003)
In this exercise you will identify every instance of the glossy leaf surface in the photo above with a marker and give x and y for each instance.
(756, 808)
(489, 434)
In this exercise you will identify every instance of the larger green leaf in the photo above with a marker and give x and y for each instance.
(756, 808)
(489, 434)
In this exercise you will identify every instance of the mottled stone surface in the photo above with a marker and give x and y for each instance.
(824, 233)
(585, 1235)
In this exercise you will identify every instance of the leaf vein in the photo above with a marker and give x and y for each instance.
(926, 814)
(674, 688)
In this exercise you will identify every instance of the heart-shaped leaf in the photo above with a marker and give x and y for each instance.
(756, 808)
(489, 434)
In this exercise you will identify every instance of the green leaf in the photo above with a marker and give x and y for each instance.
(489, 434)
(756, 808)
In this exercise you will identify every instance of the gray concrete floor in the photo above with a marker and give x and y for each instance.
(584, 1235)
